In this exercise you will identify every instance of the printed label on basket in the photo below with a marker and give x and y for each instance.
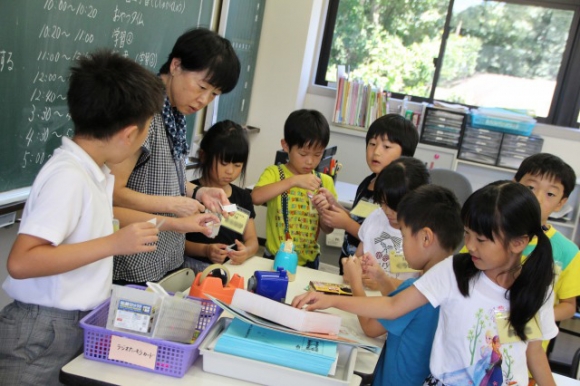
(133, 352)
(237, 221)
(133, 316)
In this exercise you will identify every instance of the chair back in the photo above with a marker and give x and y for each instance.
(575, 366)
(454, 181)
(178, 281)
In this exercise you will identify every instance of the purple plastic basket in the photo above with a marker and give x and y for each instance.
(173, 358)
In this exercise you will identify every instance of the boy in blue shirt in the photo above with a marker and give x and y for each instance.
(431, 225)
(61, 264)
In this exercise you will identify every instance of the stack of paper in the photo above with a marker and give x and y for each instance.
(286, 315)
(345, 335)
(297, 352)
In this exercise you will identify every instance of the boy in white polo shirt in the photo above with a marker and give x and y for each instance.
(60, 266)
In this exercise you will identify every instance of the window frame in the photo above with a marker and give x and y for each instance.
(565, 106)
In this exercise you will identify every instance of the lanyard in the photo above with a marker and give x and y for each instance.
(285, 202)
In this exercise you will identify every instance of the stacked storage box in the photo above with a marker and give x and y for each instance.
(480, 145)
(499, 137)
(515, 148)
(443, 127)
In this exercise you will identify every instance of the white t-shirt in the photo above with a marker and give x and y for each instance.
(70, 202)
(383, 242)
(460, 354)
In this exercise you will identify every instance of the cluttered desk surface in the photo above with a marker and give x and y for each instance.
(90, 372)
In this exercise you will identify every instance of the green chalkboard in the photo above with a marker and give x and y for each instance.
(40, 39)
(243, 27)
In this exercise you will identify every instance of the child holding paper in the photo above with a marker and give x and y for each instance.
(61, 264)
(388, 138)
(486, 289)
(426, 241)
(223, 156)
(380, 235)
(291, 189)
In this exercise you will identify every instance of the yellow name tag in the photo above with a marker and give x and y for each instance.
(364, 209)
(399, 264)
(506, 332)
(237, 221)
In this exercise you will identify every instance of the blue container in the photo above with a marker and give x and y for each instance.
(287, 258)
(503, 125)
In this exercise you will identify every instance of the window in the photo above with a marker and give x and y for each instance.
(517, 54)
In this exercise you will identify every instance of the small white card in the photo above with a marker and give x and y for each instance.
(229, 208)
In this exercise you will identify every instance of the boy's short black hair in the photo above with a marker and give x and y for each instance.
(399, 178)
(549, 166)
(398, 130)
(436, 208)
(108, 92)
(226, 141)
(200, 49)
(306, 128)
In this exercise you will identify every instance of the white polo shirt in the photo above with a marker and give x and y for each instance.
(70, 202)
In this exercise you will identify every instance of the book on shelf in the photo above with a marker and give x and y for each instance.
(359, 104)
(345, 335)
(286, 315)
(298, 352)
(331, 288)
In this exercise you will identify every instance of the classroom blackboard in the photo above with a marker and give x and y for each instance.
(39, 41)
(243, 27)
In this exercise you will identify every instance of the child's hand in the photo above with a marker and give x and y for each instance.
(313, 301)
(320, 203)
(370, 283)
(136, 238)
(352, 269)
(197, 223)
(212, 198)
(371, 267)
(329, 197)
(306, 181)
(239, 255)
(335, 217)
(216, 253)
(184, 206)
(372, 271)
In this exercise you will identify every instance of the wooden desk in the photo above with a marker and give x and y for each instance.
(81, 371)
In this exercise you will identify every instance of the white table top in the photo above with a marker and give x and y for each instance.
(93, 372)
(565, 381)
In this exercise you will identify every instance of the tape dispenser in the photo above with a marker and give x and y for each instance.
(216, 281)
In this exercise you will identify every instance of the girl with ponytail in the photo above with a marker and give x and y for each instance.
(489, 289)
